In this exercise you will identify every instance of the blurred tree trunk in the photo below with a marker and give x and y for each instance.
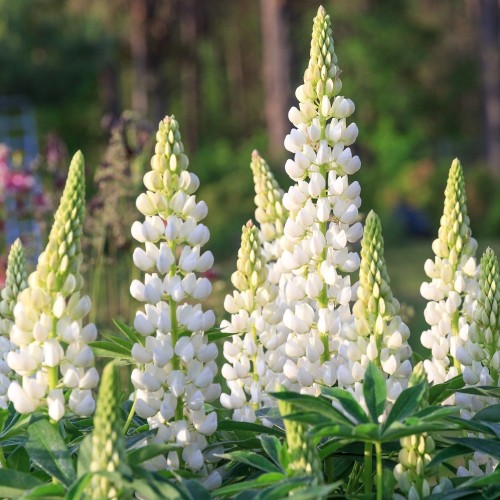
(490, 76)
(275, 72)
(138, 48)
(189, 72)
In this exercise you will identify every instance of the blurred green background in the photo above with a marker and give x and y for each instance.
(424, 76)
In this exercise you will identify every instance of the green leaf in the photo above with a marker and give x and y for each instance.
(261, 482)
(488, 446)
(77, 490)
(374, 391)
(196, 489)
(489, 414)
(84, 456)
(46, 492)
(230, 425)
(448, 453)
(316, 492)
(252, 459)
(47, 450)
(214, 335)
(439, 392)
(13, 484)
(128, 331)
(105, 349)
(399, 430)
(125, 343)
(406, 403)
(140, 455)
(489, 391)
(272, 446)
(347, 401)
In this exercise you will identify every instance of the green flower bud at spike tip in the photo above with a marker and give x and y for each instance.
(270, 213)
(108, 443)
(62, 256)
(303, 456)
(251, 266)
(16, 281)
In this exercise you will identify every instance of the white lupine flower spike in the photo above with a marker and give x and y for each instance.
(453, 286)
(270, 212)
(15, 282)
(377, 333)
(175, 370)
(254, 362)
(52, 352)
(323, 219)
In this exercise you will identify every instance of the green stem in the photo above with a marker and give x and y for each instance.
(378, 453)
(368, 469)
(3, 462)
(53, 371)
(130, 415)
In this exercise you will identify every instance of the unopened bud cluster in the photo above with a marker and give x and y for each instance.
(453, 285)
(15, 282)
(52, 352)
(377, 333)
(323, 219)
(254, 359)
(174, 377)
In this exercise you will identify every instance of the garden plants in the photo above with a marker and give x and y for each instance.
(307, 388)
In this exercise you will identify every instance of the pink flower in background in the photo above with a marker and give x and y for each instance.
(19, 181)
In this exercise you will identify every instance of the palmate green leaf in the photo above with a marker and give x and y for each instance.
(14, 424)
(46, 492)
(439, 392)
(106, 349)
(272, 446)
(252, 459)
(309, 403)
(125, 343)
(215, 334)
(262, 481)
(13, 483)
(399, 430)
(333, 431)
(488, 391)
(405, 405)
(472, 425)
(436, 412)
(346, 399)
(140, 455)
(77, 489)
(448, 453)
(374, 391)
(231, 425)
(129, 332)
(489, 414)
(46, 448)
(486, 480)
(489, 446)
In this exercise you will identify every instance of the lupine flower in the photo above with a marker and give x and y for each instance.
(53, 352)
(323, 212)
(108, 443)
(16, 281)
(377, 334)
(303, 457)
(415, 453)
(453, 285)
(176, 365)
(254, 362)
(480, 355)
(270, 212)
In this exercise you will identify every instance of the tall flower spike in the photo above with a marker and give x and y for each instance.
(453, 285)
(108, 443)
(176, 365)
(303, 456)
(323, 212)
(53, 352)
(415, 453)
(480, 355)
(254, 364)
(270, 212)
(378, 334)
(16, 281)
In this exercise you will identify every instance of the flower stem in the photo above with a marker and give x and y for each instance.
(378, 453)
(368, 469)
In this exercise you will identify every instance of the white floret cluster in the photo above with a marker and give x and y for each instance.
(52, 353)
(254, 359)
(453, 286)
(175, 371)
(15, 282)
(377, 332)
(323, 219)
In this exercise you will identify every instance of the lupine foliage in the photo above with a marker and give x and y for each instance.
(318, 399)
